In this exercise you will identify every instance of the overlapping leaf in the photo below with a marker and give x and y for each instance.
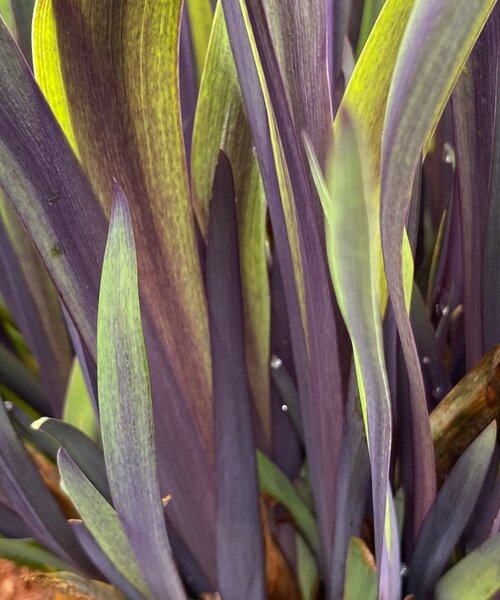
(81, 449)
(78, 409)
(298, 243)
(23, 488)
(220, 123)
(41, 176)
(119, 67)
(434, 48)
(102, 522)
(76, 223)
(475, 576)
(200, 20)
(126, 408)
(352, 255)
(473, 106)
(361, 574)
(449, 514)
(34, 304)
(299, 37)
(240, 558)
(103, 563)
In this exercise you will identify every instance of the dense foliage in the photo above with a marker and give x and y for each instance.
(249, 297)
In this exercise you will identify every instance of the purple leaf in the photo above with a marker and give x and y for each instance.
(81, 449)
(102, 562)
(25, 492)
(41, 176)
(317, 375)
(353, 489)
(337, 21)
(473, 109)
(43, 179)
(16, 377)
(299, 38)
(449, 514)
(240, 560)
(435, 45)
(38, 317)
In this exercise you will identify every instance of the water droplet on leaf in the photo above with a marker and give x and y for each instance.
(276, 362)
(449, 154)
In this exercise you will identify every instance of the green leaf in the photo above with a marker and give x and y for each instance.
(475, 576)
(200, 21)
(47, 67)
(126, 410)
(307, 569)
(23, 14)
(371, 10)
(274, 482)
(365, 98)
(361, 573)
(28, 552)
(101, 520)
(7, 15)
(78, 409)
(353, 245)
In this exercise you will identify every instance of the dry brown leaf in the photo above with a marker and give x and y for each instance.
(280, 581)
(466, 411)
(50, 477)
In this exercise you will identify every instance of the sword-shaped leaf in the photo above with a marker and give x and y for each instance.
(220, 123)
(295, 222)
(449, 514)
(42, 178)
(126, 409)
(102, 522)
(33, 301)
(361, 572)
(200, 21)
(81, 449)
(23, 488)
(436, 44)
(120, 68)
(28, 552)
(299, 37)
(473, 110)
(475, 576)
(274, 482)
(75, 222)
(240, 557)
(352, 254)
(103, 562)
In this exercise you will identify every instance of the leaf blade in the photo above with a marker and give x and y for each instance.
(448, 516)
(126, 407)
(101, 520)
(240, 558)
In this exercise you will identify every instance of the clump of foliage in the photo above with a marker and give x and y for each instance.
(249, 297)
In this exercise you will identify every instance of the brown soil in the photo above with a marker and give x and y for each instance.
(15, 585)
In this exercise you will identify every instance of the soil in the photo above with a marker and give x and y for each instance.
(15, 584)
